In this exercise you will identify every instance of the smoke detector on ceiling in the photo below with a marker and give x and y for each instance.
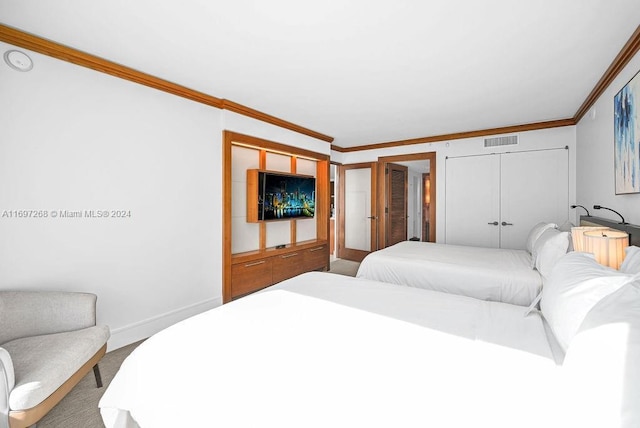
(18, 60)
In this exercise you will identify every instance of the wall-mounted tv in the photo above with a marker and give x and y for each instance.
(279, 196)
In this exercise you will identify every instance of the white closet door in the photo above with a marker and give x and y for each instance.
(472, 201)
(535, 188)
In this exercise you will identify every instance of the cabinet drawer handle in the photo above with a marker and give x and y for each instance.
(259, 262)
(286, 256)
(316, 249)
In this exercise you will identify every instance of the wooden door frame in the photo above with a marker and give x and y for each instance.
(382, 200)
(343, 252)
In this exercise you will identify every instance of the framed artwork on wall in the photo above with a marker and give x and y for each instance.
(626, 105)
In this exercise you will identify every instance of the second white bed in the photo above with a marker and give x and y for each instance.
(499, 275)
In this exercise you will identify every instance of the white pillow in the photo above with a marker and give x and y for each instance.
(535, 233)
(631, 263)
(602, 365)
(548, 249)
(575, 285)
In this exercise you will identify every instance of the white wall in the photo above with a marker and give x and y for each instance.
(530, 140)
(595, 164)
(75, 139)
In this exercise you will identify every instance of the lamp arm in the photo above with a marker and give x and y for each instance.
(598, 207)
(575, 206)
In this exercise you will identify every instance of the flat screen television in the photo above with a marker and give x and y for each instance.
(279, 196)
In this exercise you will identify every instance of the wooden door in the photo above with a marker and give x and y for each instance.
(397, 185)
(357, 218)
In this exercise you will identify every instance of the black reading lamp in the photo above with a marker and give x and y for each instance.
(575, 206)
(600, 207)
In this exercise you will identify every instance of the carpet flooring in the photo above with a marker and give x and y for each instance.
(344, 267)
(79, 409)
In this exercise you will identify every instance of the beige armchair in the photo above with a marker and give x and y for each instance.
(48, 342)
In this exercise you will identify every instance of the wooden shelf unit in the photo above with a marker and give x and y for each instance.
(244, 273)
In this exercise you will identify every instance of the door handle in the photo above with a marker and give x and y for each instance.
(504, 223)
(373, 217)
(286, 256)
(493, 223)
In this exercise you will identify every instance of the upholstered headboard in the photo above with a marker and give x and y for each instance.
(631, 229)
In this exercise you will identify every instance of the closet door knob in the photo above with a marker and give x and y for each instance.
(504, 223)
(493, 223)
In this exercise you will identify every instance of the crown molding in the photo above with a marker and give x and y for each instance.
(248, 111)
(628, 51)
(459, 135)
(68, 54)
(621, 60)
(65, 53)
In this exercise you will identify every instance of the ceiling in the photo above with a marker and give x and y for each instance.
(363, 72)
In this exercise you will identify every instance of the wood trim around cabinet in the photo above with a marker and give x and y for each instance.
(259, 143)
(459, 135)
(621, 60)
(227, 139)
(230, 139)
(65, 53)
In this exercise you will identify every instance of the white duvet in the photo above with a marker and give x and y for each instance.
(499, 275)
(323, 350)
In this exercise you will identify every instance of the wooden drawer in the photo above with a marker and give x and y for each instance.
(316, 258)
(288, 265)
(250, 276)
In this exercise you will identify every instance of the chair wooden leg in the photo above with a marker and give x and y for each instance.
(96, 372)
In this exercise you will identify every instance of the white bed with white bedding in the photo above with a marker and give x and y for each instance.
(495, 274)
(328, 350)
(324, 350)
(499, 275)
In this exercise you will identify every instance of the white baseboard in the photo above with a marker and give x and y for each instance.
(131, 333)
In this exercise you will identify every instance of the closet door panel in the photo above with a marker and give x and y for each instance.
(473, 201)
(534, 188)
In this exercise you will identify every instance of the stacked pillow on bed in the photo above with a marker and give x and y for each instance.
(594, 313)
(547, 244)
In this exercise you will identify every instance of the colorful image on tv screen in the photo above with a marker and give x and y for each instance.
(287, 196)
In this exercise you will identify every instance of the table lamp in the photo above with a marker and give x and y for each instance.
(577, 235)
(607, 245)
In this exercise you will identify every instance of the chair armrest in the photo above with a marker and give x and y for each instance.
(7, 382)
(32, 313)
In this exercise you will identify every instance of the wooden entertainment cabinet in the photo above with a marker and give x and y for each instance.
(247, 272)
(256, 270)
